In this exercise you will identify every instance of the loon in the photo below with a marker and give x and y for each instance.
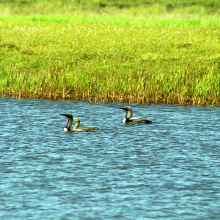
(76, 127)
(83, 127)
(128, 118)
(69, 124)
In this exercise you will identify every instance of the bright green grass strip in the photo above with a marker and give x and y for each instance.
(117, 20)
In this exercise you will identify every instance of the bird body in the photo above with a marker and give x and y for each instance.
(83, 127)
(131, 120)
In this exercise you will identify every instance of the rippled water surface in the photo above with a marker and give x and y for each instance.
(169, 169)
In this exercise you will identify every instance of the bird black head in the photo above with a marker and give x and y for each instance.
(68, 115)
(126, 108)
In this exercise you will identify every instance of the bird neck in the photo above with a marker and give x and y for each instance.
(129, 114)
(76, 125)
(69, 123)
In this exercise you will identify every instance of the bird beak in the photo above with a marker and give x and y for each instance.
(122, 108)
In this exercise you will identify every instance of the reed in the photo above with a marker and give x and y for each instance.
(110, 63)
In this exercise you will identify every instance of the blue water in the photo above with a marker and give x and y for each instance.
(169, 169)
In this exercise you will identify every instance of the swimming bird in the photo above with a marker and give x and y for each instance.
(69, 124)
(76, 127)
(83, 127)
(128, 118)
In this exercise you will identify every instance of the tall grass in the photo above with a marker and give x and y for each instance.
(122, 63)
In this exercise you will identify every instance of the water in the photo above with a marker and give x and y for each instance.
(169, 169)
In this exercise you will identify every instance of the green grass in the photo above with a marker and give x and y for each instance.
(117, 12)
(105, 62)
(143, 51)
(70, 6)
(118, 19)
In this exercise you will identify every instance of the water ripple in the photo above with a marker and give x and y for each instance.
(169, 169)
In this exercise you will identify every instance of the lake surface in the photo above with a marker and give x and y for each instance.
(169, 169)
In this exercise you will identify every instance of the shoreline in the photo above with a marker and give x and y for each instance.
(100, 99)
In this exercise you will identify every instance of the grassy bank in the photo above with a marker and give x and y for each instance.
(102, 62)
(143, 51)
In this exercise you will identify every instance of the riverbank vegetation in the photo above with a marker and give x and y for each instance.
(113, 56)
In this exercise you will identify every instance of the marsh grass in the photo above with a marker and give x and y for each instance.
(110, 63)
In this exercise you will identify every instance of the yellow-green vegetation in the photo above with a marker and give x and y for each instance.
(111, 63)
(119, 12)
(21, 7)
(120, 57)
